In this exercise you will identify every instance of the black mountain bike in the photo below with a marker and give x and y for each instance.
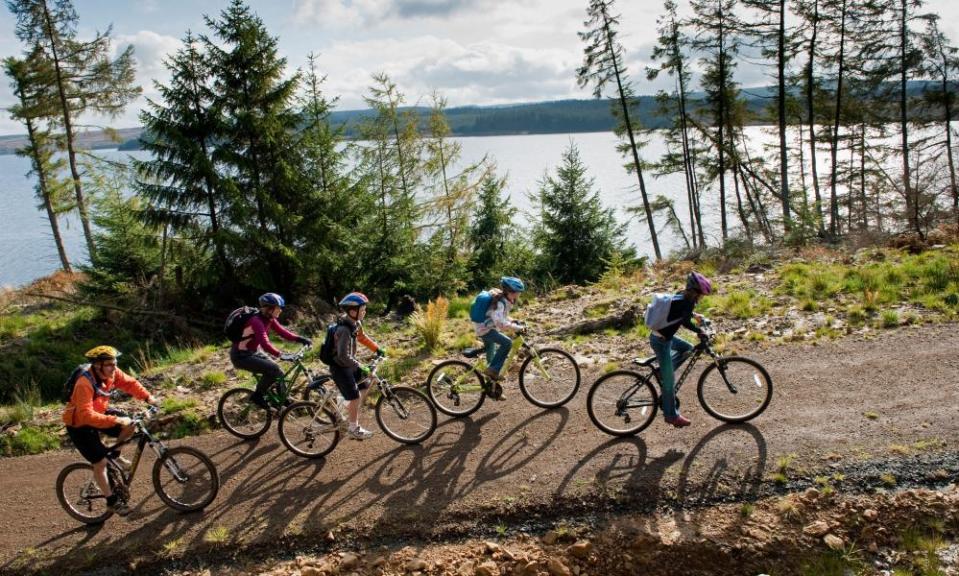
(733, 389)
(183, 477)
(246, 420)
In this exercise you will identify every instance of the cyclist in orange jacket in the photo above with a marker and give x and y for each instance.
(86, 414)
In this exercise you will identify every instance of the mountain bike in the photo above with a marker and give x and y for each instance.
(246, 420)
(548, 377)
(312, 428)
(183, 477)
(732, 389)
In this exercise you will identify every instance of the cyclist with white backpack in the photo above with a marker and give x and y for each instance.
(490, 315)
(665, 315)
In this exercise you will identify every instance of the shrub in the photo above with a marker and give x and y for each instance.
(890, 319)
(210, 380)
(430, 323)
(29, 440)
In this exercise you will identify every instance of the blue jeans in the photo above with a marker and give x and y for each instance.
(668, 353)
(497, 348)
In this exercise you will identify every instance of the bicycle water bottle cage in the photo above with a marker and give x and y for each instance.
(474, 352)
(645, 361)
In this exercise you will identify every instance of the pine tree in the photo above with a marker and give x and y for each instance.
(575, 236)
(84, 77)
(180, 181)
(391, 163)
(336, 205)
(604, 63)
(30, 81)
(942, 65)
(669, 52)
(257, 145)
(490, 232)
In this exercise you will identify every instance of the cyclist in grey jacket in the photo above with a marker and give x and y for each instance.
(348, 373)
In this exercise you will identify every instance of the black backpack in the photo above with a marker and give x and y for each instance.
(236, 322)
(68, 386)
(327, 352)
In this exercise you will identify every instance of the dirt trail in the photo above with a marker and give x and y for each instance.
(511, 455)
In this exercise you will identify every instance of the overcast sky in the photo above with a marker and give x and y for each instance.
(471, 51)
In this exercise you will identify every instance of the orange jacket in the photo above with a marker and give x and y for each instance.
(87, 408)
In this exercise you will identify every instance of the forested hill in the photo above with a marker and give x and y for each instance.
(554, 117)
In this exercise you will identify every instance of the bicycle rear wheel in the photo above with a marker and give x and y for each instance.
(622, 403)
(309, 431)
(80, 496)
(550, 381)
(738, 390)
(455, 388)
(407, 416)
(185, 479)
(241, 417)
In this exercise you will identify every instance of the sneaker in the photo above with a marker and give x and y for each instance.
(497, 393)
(123, 463)
(679, 422)
(492, 374)
(359, 433)
(118, 507)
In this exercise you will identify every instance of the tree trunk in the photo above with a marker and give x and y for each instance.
(834, 144)
(783, 154)
(45, 193)
(912, 200)
(811, 118)
(739, 208)
(623, 318)
(632, 139)
(721, 124)
(68, 133)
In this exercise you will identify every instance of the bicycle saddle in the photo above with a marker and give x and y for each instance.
(645, 361)
(474, 352)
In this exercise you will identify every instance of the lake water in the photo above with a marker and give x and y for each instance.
(27, 250)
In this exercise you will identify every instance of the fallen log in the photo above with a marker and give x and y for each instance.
(620, 319)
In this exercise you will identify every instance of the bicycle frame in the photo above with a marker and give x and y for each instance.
(519, 343)
(290, 377)
(144, 438)
(691, 361)
(327, 400)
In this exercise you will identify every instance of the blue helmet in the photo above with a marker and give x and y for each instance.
(272, 299)
(354, 299)
(512, 283)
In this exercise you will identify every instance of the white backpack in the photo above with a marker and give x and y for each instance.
(657, 312)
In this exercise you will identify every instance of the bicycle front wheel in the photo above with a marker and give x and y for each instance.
(622, 403)
(80, 496)
(185, 479)
(735, 389)
(407, 416)
(308, 430)
(455, 388)
(241, 417)
(549, 378)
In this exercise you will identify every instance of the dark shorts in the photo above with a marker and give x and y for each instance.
(348, 381)
(88, 442)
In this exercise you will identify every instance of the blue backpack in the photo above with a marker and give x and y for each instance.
(481, 305)
(657, 312)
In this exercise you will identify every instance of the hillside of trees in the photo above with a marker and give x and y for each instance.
(256, 183)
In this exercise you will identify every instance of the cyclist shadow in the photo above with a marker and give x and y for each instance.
(627, 471)
(19, 562)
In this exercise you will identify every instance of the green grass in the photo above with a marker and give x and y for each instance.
(190, 423)
(740, 304)
(459, 307)
(217, 535)
(174, 405)
(29, 440)
(889, 319)
(210, 380)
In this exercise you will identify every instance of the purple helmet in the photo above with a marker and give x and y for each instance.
(698, 282)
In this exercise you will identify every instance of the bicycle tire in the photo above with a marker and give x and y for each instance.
(240, 417)
(450, 402)
(72, 504)
(607, 403)
(303, 415)
(540, 391)
(199, 480)
(415, 404)
(718, 401)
